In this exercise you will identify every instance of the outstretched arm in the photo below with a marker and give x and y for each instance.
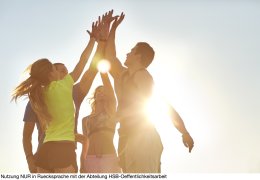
(180, 126)
(75, 74)
(89, 76)
(102, 30)
(109, 93)
(110, 51)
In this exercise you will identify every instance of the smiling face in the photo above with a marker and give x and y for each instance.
(99, 94)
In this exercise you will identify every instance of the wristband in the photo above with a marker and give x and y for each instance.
(103, 40)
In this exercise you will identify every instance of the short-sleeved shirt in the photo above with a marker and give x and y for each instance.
(59, 100)
(30, 116)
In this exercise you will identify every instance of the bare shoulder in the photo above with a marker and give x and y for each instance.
(143, 76)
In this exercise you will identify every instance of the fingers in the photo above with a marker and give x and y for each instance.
(89, 33)
(190, 147)
(101, 27)
(188, 142)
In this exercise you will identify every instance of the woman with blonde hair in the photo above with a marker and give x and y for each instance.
(99, 127)
(51, 99)
(99, 154)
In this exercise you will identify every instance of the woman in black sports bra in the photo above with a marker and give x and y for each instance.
(99, 127)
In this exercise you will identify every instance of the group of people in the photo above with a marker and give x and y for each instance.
(55, 100)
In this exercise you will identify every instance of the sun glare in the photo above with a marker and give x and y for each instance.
(156, 109)
(103, 66)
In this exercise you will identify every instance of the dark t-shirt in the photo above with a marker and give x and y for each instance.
(30, 116)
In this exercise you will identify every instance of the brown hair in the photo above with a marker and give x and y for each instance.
(146, 52)
(33, 88)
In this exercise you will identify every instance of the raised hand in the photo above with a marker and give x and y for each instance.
(81, 138)
(118, 20)
(94, 31)
(104, 25)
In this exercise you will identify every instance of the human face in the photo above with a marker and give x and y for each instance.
(99, 94)
(54, 75)
(61, 68)
(132, 58)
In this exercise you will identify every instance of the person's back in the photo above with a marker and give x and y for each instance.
(51, 96)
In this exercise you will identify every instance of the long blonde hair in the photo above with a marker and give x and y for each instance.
(33, 88)
(92, 100)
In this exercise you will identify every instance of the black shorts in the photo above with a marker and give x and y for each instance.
(56, 154)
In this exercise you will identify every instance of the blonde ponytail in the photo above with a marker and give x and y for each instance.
(33, 87)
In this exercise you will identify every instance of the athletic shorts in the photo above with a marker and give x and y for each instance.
(108, 163)
(56, 154)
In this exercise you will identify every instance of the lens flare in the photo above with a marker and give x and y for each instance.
(156, 110)
(103, 66)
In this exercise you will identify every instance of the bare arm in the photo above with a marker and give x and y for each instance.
(85, 146)
(177, 120)
(27, 145)
(101, 29)
(109, 92)
(84, 141)
(75, 74)
(180, 126)
(89, 76)
(110, 51)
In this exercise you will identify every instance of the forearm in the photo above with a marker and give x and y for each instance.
(99, 54)
(177, 121)
(83, 60)
(110, 55)
(110, 52)
(86, 81)
(108, 86)
(84, 152)
(27, 147)
(90, 74)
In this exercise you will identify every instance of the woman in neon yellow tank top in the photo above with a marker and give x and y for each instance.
(51, 99)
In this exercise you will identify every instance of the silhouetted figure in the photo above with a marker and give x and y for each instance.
(140, 146)
(51, 99)
(30, 119)
(100, 156)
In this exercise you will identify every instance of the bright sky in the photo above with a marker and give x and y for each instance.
(207, 65)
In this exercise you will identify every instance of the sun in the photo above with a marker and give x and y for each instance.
(103, 66)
